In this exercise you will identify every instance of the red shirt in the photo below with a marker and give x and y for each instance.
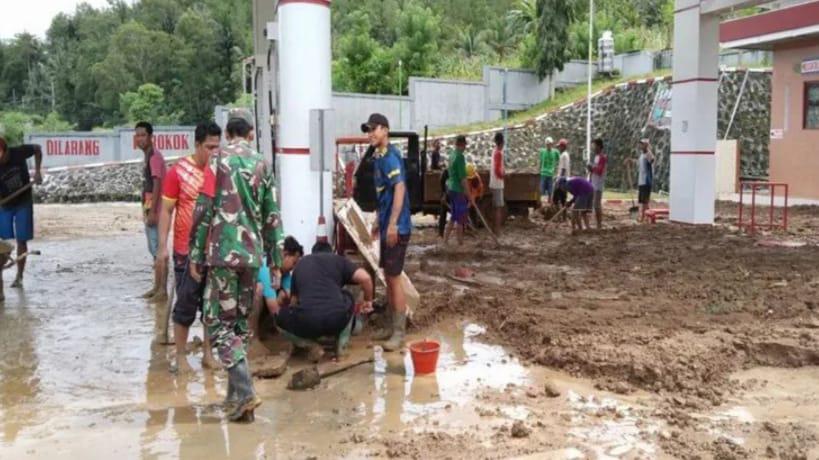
(498, 160)
(182, 185)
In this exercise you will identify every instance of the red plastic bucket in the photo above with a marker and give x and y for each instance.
(425, 356)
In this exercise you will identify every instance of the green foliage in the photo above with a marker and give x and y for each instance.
(147, 103)
(92, 67)
(14, 125)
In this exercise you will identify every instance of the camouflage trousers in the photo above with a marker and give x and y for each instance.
(227, 301)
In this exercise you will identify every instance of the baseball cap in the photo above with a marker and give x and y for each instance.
(375, 119)
(240, 113)
(562, 142)
(549, 140)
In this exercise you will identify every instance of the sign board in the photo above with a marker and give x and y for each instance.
(322, 140)
(810, 66)
(777, 133)
(172, 142)
(660, 115)
(75, 149)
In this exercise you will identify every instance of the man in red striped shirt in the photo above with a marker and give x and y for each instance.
(496, 183)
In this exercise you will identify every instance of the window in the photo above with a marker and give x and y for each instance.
(812, 105)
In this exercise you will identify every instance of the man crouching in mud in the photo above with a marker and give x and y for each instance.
(236, 224)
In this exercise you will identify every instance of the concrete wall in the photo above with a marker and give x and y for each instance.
(353, 109)
(633, 64)
(88, 148)
(73, 149)
(793, 157)
(439, 103)
(522, 87)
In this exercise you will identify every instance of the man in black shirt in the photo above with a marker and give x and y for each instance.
(17, 210)
(319, 305)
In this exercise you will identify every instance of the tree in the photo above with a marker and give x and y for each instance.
(555, 17)
(20, 56)
(524, 16)
(417, 46)
(363, 64)
(147, 103)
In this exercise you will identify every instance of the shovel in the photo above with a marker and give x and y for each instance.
(634, 209)
(306, 379)
(22, 256)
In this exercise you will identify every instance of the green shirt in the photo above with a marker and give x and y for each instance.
(457, 171)
(548, 161)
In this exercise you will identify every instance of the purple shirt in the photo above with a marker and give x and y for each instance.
(579, 186)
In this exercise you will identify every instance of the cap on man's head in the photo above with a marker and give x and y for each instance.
(240, 113)
(375, 119)
(644, 141)
(549, 140)
(563, 142)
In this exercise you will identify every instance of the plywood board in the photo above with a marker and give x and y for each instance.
(350, 215)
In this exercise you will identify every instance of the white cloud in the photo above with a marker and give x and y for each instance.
(34, 16)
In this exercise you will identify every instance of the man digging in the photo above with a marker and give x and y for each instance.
(17, 211)
(236, 224)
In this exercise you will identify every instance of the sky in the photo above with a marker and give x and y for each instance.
(34, 16)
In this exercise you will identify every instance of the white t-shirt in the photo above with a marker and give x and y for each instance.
(565, 162)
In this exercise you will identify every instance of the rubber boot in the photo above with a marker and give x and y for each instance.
(399, 331)
(344, 337)
(386, 332)
(232, 399)
(243, 383)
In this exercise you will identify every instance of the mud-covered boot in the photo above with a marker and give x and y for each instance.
(232, 399)
(385, 332)
(243, 384)
(399, 331)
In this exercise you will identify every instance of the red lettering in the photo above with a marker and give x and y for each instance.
(49, 147)
(185, 144)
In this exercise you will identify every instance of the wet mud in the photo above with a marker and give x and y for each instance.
(636, 342)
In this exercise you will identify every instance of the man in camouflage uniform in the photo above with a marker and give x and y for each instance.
(236, 224)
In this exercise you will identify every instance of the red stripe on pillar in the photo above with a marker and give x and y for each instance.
(695, 152)
(293, 151)
(692, 80)
(312, 2)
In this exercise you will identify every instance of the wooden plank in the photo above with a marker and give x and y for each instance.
(352, 218)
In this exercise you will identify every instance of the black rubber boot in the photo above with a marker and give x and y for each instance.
(243, 384)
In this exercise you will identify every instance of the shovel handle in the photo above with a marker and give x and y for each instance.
(16, 193)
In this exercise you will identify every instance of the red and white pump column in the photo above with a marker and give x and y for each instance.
(305, 83)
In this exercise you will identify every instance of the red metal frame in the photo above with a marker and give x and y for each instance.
(772, 224)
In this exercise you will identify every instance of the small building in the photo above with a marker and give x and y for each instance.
(792, 34)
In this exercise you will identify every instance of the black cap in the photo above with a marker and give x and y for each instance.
(375, 119)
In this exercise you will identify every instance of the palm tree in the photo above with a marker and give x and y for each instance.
(470, 41)
(502, 37)
(524, 17)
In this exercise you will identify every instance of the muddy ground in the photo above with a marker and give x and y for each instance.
(669, 309)
(664, 341)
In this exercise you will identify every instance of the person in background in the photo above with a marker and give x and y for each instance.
(564, 170)
(597, 170)
(153, 173)
(445, 204)
(581, 203)
(457, 186)
(17, 211)
(549, 158)
(645, 178)
(435, 156)
(496, 182)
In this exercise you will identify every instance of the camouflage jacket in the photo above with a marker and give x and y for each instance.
(237, 222)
